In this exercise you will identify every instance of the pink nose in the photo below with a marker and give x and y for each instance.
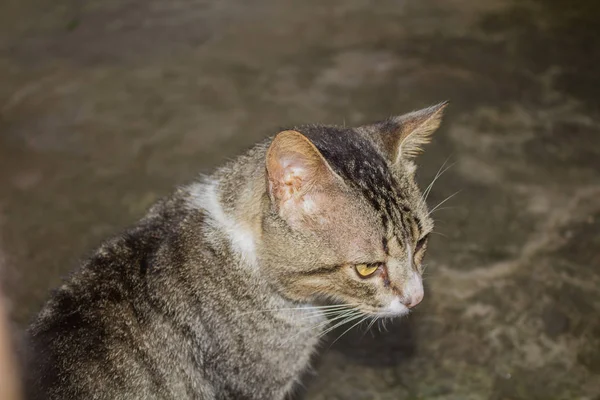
(413, 300)
(413, 291)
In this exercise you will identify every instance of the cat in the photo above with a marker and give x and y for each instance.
(224, 289)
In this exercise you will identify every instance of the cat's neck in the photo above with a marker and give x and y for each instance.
(231, 199)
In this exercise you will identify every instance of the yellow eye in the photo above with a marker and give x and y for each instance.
(365, 270)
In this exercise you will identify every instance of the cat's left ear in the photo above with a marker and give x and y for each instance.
(403, 136)
(300, 181)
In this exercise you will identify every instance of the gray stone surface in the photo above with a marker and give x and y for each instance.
(107, 105)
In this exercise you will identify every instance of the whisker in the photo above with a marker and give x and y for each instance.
(439, 233)
(437, 176)
(329, 312)
(346, 331)
(343, 314)
(343, 318)
(443, 201)
(352, 317)
(383, 323)
(369, 326)
(372, 323)
(347, 317)
(305, 308)
(325, 313)
(324, 323)
(443, 208)
(341, 323)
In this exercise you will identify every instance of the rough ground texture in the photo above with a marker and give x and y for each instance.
(107, 105)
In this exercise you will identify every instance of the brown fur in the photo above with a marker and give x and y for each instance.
(213, 294)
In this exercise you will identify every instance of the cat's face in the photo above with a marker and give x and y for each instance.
(346, 221)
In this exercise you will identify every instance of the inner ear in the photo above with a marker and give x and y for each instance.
(403, 136)
(299, 178)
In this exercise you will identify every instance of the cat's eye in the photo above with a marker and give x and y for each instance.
(421, 243)
(366, 270)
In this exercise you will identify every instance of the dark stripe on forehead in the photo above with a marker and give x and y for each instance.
(407, 231)
(384, 243)
(359, 163)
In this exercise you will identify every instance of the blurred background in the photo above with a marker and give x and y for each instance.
(105, 106)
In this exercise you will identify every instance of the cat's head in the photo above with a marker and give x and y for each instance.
(346, 221)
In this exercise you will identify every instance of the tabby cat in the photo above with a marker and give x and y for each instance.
(224, 289)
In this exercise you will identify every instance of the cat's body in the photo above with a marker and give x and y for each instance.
(174, 311)
(173, 317)
(210, 296)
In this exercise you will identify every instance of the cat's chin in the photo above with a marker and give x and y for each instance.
(394, 309)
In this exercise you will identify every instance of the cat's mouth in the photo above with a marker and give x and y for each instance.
(394, 309)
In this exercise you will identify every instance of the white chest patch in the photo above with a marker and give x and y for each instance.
(206, 196)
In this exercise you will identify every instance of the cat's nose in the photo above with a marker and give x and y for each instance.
(413, 300)
(413, 291)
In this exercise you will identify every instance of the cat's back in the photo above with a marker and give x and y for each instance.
(95, 327)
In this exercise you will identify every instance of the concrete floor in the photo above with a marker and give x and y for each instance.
(107, 105)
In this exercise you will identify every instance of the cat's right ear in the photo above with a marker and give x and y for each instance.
(404, 135)
(298, 176)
